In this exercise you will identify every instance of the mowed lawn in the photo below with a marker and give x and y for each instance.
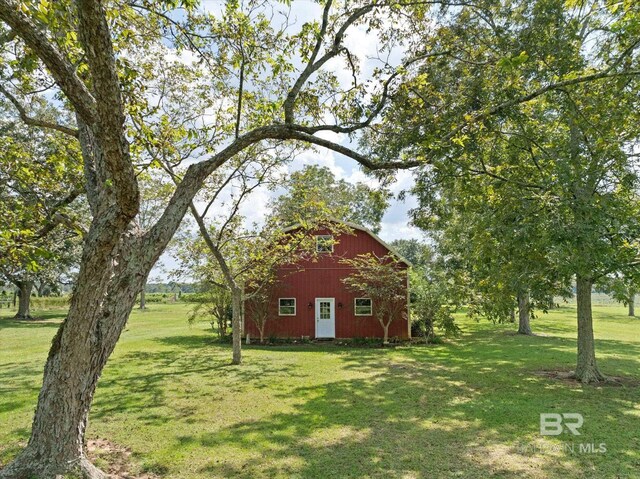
(467, 408)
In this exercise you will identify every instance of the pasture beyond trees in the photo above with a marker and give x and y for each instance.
(464, 408)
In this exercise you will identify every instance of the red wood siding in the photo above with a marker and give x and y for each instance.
(322, 279)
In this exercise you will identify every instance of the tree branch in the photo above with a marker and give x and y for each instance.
(297, 132)
(33, 121)
(56, 217)
(380, 104)
(115, 161)
(58, 65)
(314, 65)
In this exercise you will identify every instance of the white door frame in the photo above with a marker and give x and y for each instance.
(333, 316)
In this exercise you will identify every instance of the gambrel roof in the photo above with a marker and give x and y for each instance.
(358, 227)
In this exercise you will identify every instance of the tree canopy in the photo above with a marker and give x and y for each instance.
(314, 192)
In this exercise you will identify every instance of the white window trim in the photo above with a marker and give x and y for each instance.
(295, 304)
(355, 309)
(327, 237)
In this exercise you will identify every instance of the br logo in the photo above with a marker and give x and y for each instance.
(554, 424)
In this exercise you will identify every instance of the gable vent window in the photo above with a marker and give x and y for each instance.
(324, 244)
(287, 307)
(363, 307)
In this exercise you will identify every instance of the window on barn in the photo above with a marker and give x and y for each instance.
(287, 307)
(324, 244)
(363, 306)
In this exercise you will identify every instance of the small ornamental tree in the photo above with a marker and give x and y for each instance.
(263, 293)
(382, 279)
(213, 302)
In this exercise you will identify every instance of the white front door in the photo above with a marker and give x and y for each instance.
(325, 318)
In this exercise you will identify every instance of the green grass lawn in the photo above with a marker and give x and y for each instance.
(464, 409)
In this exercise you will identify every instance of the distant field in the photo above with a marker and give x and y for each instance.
(468, 408)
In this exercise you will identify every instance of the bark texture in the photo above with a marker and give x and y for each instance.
(24, 303)
(586, 369)
(524, 313)
(632, 305)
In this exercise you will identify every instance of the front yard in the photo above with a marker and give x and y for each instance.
(170, 405)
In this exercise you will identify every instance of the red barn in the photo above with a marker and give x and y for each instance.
(311, 300)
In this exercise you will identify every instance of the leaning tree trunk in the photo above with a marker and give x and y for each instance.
(236, 324)
(24, 304)
(101, 303)
(524, 313)
(115, 264)
(586, 369)
(143, 304)
(236, 290)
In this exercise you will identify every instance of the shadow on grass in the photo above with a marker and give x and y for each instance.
(18, 441)
(462, 409)
(41, 321)
(406, 421)
(489, 349)
(186, 368)
(19, 378)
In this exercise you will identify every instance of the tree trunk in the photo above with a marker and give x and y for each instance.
(24, 305)
(143, 304)
(386, 333)
(115, 264)
(429, 331)
(236, 290)
(236, 325)
(101, 303)
(512, 316)
(632, 305)
(261, 329)
(524, 314)
(586, 369)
